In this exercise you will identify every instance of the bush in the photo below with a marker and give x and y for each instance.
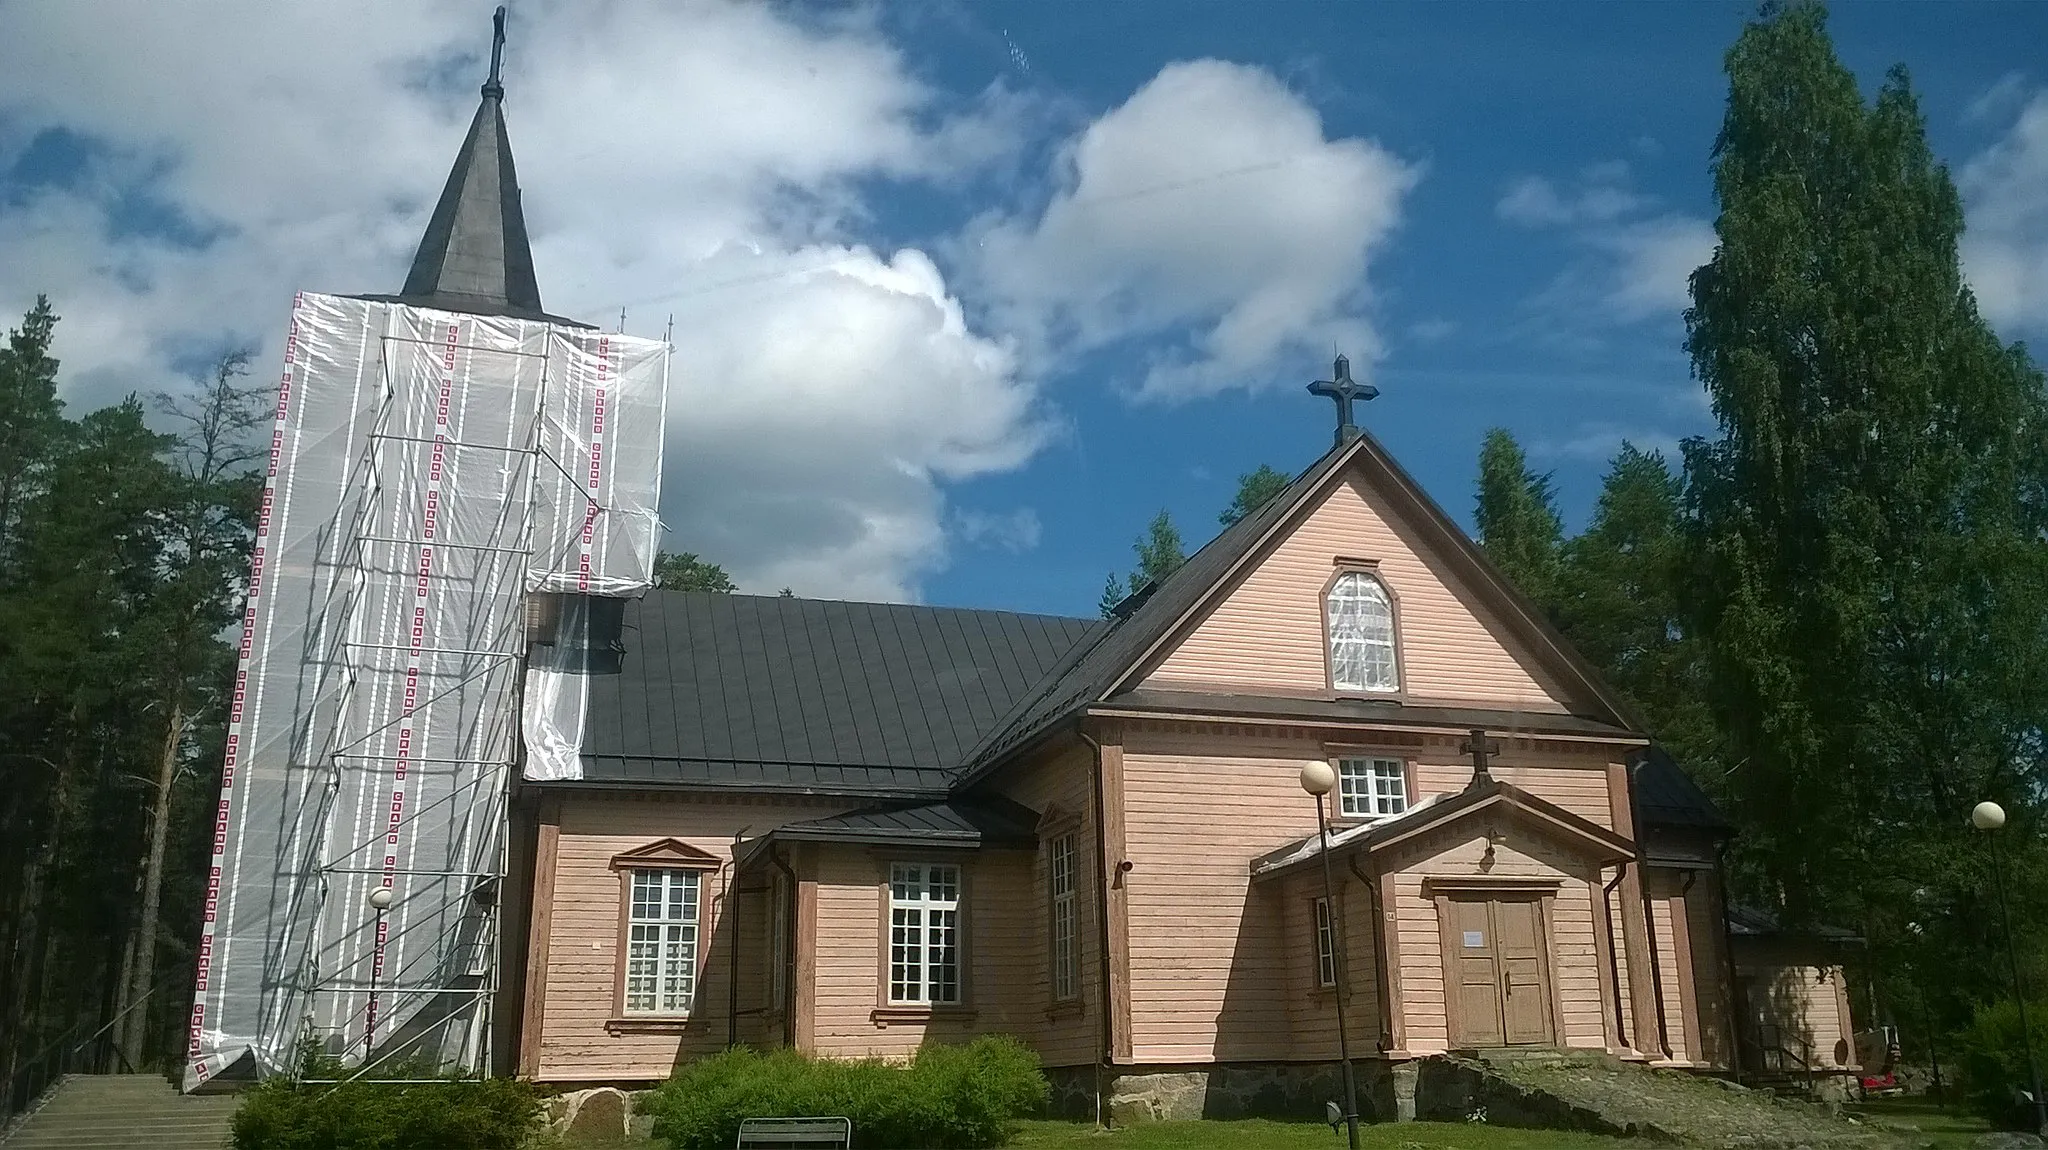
(948, 1096)
(490, 1114)
(1994, 1061)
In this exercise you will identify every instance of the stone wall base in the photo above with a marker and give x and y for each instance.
(1133, 1095)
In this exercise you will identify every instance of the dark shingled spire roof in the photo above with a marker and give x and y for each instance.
(474, 257)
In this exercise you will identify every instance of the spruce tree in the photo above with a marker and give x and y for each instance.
(1517, 517)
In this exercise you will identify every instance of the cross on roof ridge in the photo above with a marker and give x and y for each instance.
(1342, 388)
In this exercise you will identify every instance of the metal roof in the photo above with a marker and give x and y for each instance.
(1666, 796)
(811, 695)
(992, 822)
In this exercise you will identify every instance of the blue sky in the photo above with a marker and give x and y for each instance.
(965, 293)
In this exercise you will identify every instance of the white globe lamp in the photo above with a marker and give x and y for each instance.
(380, 898)
(1318, 778)
(1987, 816)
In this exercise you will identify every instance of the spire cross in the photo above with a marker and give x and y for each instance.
(1481, 749)
(494, 88)
(1344, 390)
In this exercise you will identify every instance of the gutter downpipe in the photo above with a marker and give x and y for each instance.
(789, 945)
(1379, 956)
(1614, 956)
(1101, 921)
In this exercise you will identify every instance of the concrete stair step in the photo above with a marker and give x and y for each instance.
(88, 1112)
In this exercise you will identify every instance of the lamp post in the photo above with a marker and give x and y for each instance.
(1318, 779)
(380, 901)
(1989, 817)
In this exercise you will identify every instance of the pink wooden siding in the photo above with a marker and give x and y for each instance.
(1208, 968)
(1062, 787)
(583, 955)
(999, 947)
(1664, 903)
(1267, 633)
(1576, 782)
(1311, 1008)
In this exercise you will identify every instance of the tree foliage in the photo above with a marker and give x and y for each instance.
(1866, 527)
(1160, 553)
(1254, 488)
(1517, 516)
(683, 571)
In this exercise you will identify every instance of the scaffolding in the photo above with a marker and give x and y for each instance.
(431, 473)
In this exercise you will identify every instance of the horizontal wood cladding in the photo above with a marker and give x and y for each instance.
(1060, 785)
(1267, 632)
(1807, 1001)
(1209, 955)
(851, 1018)
(582, 950)
(1578, 783)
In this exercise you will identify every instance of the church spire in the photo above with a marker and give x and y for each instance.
(474, 257)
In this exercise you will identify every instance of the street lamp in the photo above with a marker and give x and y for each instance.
(1318, 779)
(1989, 817)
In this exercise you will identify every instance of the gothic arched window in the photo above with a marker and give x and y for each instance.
(1360, 617)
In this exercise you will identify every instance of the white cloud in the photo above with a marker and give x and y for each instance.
(824, 399)
(2005, 94)
(1212, 203)
(2005, 249)
(1633, 264)
(1015, 531)
(1602, 194)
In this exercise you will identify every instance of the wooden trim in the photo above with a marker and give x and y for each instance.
(1372, 572)
(647, 1024)
(803, 936)
(1334, 723)
(1603, 951)
(1682, 957)
(673, 854)
(1390, 961)
(1116, 901)
(1447, 940)
(1490, 884)
(1634, 929)
(1547, 923)
(906, 1013)
(547, 852)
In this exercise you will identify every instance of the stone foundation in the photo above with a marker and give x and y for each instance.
(1295, 1090)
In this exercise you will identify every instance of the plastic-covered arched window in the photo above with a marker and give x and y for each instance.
(1360, 617)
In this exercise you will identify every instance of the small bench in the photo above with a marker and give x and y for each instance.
(795, 1133)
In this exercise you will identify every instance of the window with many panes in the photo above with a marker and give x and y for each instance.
(924, 934)
(661, 942)
(1326, 945)
(1066, 920)
(1361, 622)
(1371, 788)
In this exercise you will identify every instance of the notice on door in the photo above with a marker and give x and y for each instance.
(1475, 939)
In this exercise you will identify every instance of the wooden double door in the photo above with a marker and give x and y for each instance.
(1497, 968)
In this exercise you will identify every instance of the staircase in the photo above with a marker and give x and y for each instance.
(90, 1111)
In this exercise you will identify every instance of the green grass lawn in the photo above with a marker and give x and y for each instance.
(1953, 1127)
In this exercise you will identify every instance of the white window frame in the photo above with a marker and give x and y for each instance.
(925, 964)
(1371, 787)
(1326, 944)
(1358, 613)
(1065, 908)
(664, 909)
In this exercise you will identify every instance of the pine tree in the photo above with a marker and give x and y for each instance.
(1865, 528)
(1517, 517)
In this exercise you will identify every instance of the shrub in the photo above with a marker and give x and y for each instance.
(947, 1096)
(1994, 1061)
(490, 1114)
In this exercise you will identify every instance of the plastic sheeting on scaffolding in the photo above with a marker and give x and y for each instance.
(427, 471)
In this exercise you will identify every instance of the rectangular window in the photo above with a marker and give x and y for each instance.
(1372, 788)
(1326, 945)
(924, 934)
(661, 942)
(1065, 920)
